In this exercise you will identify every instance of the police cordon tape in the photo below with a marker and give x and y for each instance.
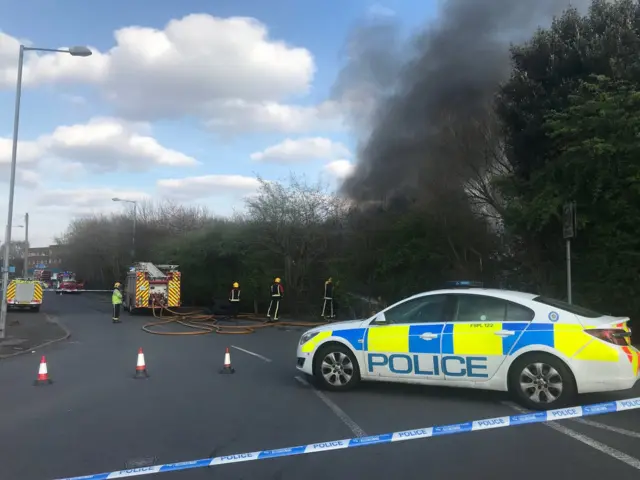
(472, 426)
(74, 291)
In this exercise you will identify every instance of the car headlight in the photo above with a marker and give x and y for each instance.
(307, 336)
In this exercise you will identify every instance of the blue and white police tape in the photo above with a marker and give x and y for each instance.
(489, 423)
(73, 291)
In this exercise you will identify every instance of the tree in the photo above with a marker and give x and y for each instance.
(16, 250)
(294, 223)
(552, 79)
(597, 164)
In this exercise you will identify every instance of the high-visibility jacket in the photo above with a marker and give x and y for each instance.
(234, 295)
(116, 297)
(277, 290)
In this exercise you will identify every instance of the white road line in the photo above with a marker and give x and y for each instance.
(268, 360)
(590, 442)
(602, 426)
(346, 419)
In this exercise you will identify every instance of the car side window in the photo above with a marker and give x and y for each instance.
(427, 309)
(519, 313)
(478, 308)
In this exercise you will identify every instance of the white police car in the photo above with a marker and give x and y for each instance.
(544, 351)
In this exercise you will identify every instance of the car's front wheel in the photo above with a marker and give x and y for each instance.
(336, 367)
(541, 381)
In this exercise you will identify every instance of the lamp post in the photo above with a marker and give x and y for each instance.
(25, 268)
(25, 272)
(75, 52)
(135, 214)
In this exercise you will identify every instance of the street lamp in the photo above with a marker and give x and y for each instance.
(135, 214)
(25, 268)
(77, 51)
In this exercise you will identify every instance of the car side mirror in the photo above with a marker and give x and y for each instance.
(379, 319)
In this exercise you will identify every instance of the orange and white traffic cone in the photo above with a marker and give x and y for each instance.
(227, 368)
(141, 366)
(43, 374)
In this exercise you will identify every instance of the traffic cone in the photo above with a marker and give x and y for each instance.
(141, 367)
(43, 374)
(227, 368)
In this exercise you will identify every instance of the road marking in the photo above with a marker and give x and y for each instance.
(346, 419)
(602, 426)
(268, 360)
(588, 441)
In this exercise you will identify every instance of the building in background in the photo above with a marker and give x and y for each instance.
(45, 258)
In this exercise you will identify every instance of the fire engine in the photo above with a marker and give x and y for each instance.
(67, 283)
(24, 293)
(44, 276)
(148, 285)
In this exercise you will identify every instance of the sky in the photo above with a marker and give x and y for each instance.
(187, 101)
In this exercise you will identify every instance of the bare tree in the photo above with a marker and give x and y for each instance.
(293, 222)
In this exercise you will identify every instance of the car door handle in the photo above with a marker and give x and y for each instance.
(429, 336)
(505, 333)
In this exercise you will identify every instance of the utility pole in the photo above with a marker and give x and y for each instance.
(25, 273)
(74, 52)
(133, 236)
(569, 232)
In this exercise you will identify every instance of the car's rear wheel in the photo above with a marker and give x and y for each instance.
(335, 367)
(541, 381)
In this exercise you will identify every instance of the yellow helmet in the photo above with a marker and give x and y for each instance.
(117, 285)
(277, 279)
(236, 284)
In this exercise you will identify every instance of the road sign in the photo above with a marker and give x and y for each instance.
(569, 220)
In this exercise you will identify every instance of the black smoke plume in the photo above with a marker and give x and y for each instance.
(422, 107)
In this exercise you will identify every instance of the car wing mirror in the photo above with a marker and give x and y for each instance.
(379, 319)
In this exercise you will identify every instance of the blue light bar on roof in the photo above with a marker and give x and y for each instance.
(464, 284)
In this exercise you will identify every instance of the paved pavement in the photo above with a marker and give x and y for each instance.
(26, 330)
(96, 417)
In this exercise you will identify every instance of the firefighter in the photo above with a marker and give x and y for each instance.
(328, 299)
(116, 300)
(277, 293)
(234, 299)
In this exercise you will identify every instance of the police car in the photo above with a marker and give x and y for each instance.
(544, 351)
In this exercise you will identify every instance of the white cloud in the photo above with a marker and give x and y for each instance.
(340, 169)
(232, 116)
(107, 144)
(300, 150)
(85, 200)
(28, 156)
(191, 188)
(216, 68)
(101, 145)
(28, 152)
(51, 211)
(39, 69)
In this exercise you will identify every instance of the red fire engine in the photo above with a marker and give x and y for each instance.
(67, 283)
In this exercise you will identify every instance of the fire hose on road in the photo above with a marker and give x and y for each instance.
(204, 324)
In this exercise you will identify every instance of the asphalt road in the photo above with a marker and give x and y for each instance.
(96, 417)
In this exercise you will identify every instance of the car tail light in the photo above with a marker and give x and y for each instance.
(611, 335)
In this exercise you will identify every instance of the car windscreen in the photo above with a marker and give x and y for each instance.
(575, 309)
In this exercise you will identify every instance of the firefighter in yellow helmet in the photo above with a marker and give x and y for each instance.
(328, 299)
(277, 293)
(234, 299)
(116, 301)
